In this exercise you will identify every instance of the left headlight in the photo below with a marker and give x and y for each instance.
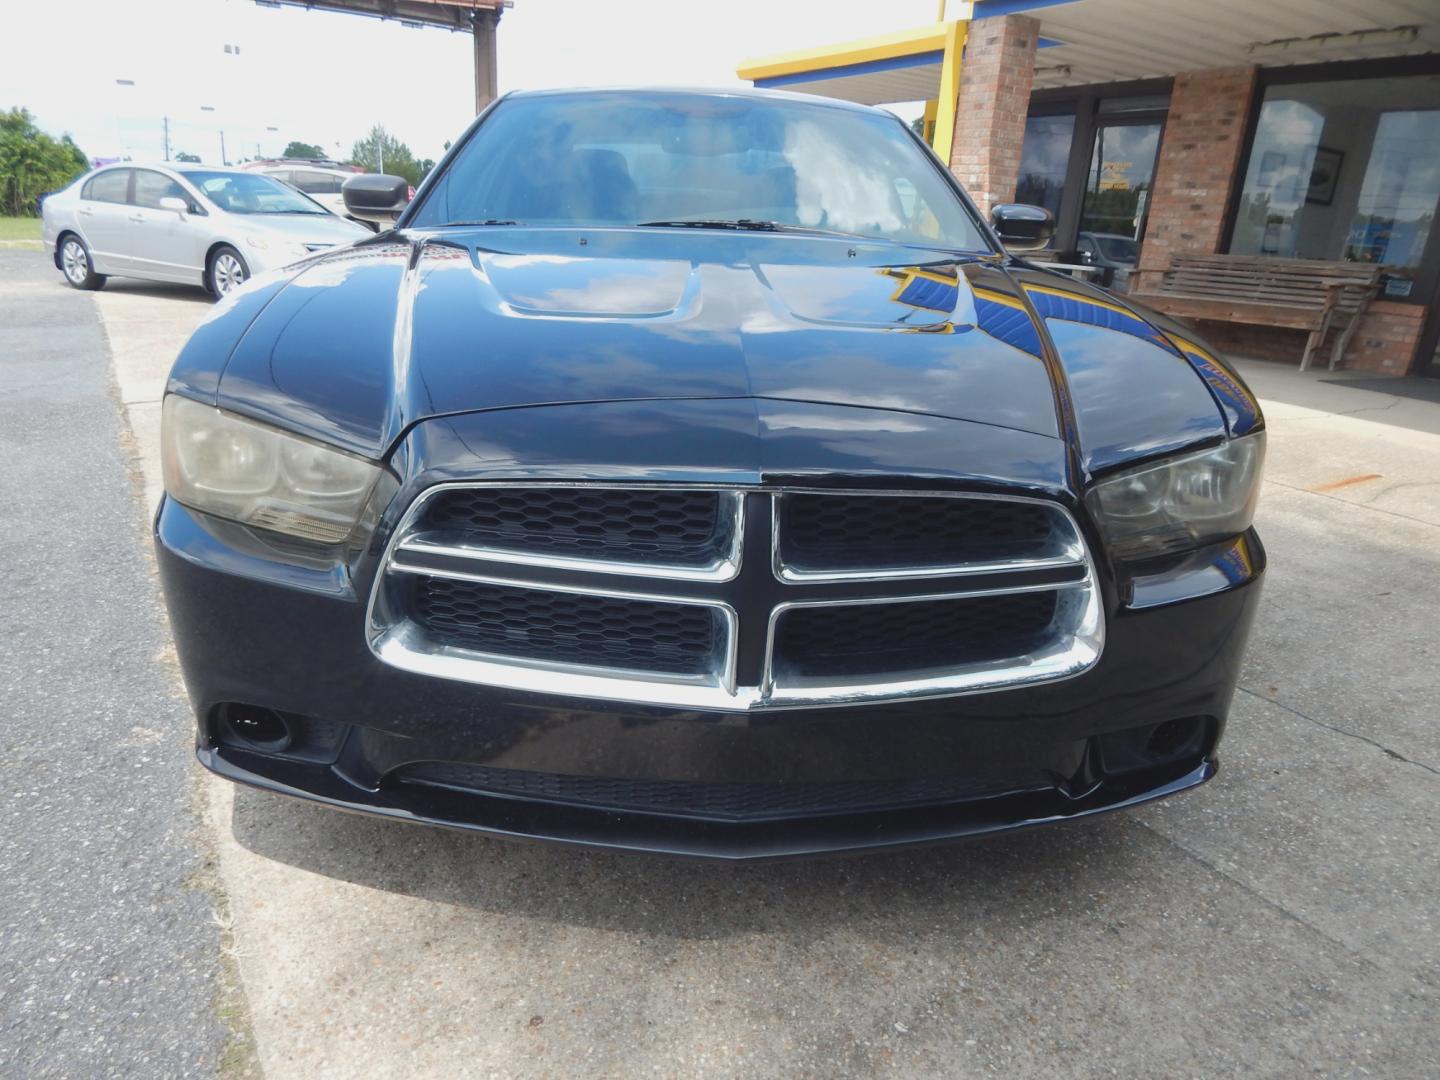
(1182, 503)
(259, 475)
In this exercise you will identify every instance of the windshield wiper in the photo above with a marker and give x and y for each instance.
(739, 224)
(487, 221)
(752, 225)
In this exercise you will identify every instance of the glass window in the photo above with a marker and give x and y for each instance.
(151, 187)
(1117, 188)
(109, 186)
(626, 159)
(1343, 170)
(252, 193)
(1043, 158)
(316, 183)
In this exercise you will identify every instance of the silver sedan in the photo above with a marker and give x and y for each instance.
(193, 224)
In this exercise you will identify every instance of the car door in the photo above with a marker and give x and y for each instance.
(102, 216)
(168, 245)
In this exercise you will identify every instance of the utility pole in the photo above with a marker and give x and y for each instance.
(223, 161)
(167, 138)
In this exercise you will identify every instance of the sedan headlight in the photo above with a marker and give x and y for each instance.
(1181, 503)
(258, 475)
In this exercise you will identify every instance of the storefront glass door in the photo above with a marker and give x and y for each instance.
(1117, 193)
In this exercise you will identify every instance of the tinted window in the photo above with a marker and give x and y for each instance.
(316, 183)
(1044, 158)
(108, 186)
(151, 187)
(252, 193)
(623, 159)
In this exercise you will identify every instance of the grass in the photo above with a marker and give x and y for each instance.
(19, 232)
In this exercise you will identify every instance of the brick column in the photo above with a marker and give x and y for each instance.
(1199, 158)
(996, 73)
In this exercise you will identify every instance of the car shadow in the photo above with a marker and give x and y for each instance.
(160, 289)
(686, 899)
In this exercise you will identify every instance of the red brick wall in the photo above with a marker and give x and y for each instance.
(1199, 159)
(996, 73)
(1387, 338)
(1384, 343)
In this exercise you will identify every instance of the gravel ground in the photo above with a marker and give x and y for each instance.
(109, 957)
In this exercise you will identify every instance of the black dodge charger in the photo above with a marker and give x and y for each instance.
(700, 473)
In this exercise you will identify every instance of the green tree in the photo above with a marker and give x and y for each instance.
(380, 151)
(303, 150)
(32, 163)
(194, 159)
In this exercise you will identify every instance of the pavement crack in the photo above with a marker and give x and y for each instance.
(1371, 507)
(1395, 754)
(1215, 868)
(1329, 413)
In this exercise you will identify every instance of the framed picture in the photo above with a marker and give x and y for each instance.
(1271, 164)
(1323, 175)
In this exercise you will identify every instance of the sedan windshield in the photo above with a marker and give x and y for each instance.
(703, 160)
(252, 193)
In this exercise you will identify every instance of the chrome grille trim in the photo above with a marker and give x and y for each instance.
(732, 501)
(1062, 660)
(1075, 642)
(415, 652)
(1069, 553)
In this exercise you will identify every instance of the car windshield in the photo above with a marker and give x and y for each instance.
(626, 159)
(252, 193)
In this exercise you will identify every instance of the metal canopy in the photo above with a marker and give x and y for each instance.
(1101, 41)
(447, 14)
(903, 66)
(478, 18)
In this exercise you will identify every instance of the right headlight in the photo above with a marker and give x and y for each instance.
(259, 475)
(1182, 503)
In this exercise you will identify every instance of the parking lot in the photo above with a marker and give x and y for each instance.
(1281, 921)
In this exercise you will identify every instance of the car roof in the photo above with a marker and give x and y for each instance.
(703, 92)
(199, 166)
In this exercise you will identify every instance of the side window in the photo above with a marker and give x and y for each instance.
(316, 183)
(285, 176)
(107, 186)
(151, 187)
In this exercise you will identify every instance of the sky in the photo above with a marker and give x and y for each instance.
(325, 78)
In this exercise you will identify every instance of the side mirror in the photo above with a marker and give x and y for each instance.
(375, 197)
(1022, 227)
(175, 203)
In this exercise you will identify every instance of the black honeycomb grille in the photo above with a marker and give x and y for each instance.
(674, 528)
(727, 801)
(868, 532)
(537, 624)
(873, 639)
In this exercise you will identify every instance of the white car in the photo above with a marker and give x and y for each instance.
(322, 183)
(194, 224)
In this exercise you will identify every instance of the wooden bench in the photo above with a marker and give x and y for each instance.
(1303, 294)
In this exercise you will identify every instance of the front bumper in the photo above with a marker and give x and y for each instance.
(260, 628)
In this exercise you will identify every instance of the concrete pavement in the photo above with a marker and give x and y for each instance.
(1280, 922)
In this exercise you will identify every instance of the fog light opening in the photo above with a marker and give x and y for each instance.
(262, 729)
(1171, 738)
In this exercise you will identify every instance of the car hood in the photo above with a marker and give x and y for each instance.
(356, 347)
(304, 228)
